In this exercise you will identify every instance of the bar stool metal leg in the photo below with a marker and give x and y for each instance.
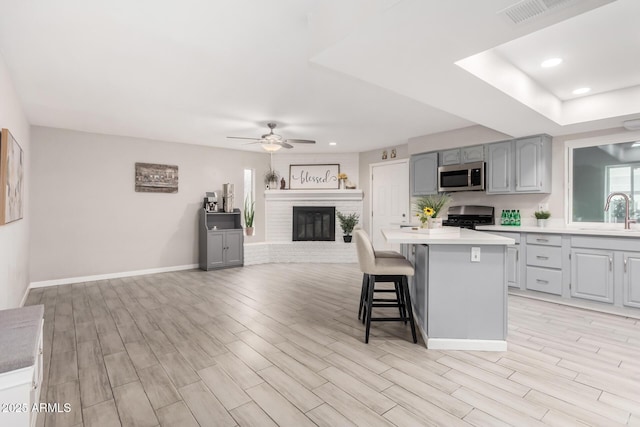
(371, 285)
(363, 293)
(409, 307)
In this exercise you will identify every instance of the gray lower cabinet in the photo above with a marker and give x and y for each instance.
(513, 266)
(592, 274)
(631, 279)
(424, 174)
(223, 249)
(544, 263)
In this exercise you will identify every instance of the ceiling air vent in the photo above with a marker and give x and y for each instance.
(528, 9)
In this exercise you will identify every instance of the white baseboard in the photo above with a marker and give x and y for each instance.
(464, 344)
(107, 276)
(24, 297)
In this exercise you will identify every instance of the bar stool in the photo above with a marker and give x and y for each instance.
(375, 270)
(365, 280)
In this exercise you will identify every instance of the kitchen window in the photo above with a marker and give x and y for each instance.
(598, 167)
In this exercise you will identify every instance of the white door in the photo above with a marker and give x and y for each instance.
(389, 200)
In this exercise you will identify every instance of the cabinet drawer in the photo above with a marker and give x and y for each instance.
(544, 239)
(544, 280)
(544, 256)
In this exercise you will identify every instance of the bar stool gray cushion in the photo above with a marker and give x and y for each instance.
(371, 265)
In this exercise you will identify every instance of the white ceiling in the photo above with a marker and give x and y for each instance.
(364, 73)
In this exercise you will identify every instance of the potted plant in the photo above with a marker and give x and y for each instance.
(271, 179)
(429, 207)
(249, 213)
(347, 222)
(542, 217)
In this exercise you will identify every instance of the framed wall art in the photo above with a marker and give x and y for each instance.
(11, 178)
(315, 177)
(155, 178)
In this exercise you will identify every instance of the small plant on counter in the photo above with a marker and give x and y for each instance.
(347, 223)
(542, 214)
(436, 203)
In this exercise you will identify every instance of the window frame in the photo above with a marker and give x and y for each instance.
(569, 146)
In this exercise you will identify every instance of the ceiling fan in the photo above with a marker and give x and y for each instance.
(273, 142)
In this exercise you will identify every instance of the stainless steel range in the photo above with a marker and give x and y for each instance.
(469, 216)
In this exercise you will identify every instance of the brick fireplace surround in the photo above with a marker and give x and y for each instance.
(279, 246)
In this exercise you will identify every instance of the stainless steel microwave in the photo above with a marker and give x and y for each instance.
(466, 177)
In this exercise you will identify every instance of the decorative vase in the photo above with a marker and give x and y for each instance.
(249, 231)
(435, 223)
(347, 239)
(343, 183)
(542, 222)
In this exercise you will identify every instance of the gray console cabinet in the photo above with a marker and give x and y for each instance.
(221, 240)
(424, 174)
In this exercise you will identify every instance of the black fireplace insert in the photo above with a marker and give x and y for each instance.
(314, 223)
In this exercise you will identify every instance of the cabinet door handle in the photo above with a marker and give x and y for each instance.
(542, 257)
(538, 239)
(625, 264)
(34, 385)
(542, 281)
(517, 255)
(610, 263)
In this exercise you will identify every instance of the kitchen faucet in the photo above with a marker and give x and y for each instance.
(627, 221)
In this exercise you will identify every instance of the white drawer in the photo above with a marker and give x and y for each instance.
(544, 256)
(544, 239)
(544, 280)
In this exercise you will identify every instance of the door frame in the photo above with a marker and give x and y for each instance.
(371, 166)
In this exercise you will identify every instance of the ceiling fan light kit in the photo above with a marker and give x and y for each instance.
(272, 142)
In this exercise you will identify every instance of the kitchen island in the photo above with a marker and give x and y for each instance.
(459, 290)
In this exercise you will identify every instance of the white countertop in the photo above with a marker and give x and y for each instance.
(466, 237)
(560, 229)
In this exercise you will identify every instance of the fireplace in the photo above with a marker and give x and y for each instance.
(314, 223)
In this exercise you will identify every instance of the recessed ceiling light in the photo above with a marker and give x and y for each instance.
(581, 91)
(333, 143)
(551, 62)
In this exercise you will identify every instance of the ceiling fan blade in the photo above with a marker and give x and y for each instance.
(254, 142)
(285, 145)
(301, 141)
(240, 137)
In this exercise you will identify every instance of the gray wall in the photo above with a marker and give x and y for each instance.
(89, 220)
(14, 237)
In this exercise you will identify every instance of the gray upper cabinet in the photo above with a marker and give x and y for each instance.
(499, 159)
(472, 154)
(519, 166)
(457, 156)
(450, 157)
(424, 174)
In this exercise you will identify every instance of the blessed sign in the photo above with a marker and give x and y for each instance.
(313, 177)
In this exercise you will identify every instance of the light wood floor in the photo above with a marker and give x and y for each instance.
(280, 344)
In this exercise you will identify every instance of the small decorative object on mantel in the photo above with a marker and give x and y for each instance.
(429, 207)
(11, 179)
(314, 177)
(283, 184)
(393, 153)
(347, 223)
(271, 179)
(542, 217)
(249, 212)
(342, 178)
(384, 155)
(156, 178)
